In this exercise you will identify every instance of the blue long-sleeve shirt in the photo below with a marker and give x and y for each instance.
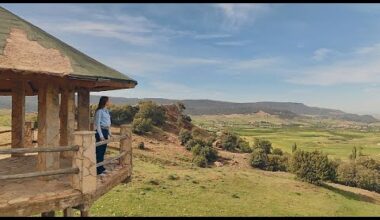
(102, 119)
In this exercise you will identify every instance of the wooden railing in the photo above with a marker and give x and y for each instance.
(125, 134)
(39, 173)
(83, 160)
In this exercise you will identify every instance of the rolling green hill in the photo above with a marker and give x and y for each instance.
(286, 110)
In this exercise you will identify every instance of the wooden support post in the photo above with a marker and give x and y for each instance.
(67, 118)
(85, 160)
(83, 110)
(68, 212)
(85, 212)
(18, 115)
(48, 126)
(29, 134)
(126, 146)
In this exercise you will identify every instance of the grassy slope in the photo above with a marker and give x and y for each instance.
(231, 190)
(225, 191)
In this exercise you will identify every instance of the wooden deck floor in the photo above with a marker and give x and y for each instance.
(29, 196)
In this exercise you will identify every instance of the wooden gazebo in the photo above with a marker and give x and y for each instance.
(60, 173)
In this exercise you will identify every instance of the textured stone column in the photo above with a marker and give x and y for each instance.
(83, 110)
(85, 160)
(68, 212)
(126, 146)
(18, 116)
(48, 126)
(67, 117)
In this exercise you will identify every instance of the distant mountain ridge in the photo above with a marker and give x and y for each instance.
(212, 107)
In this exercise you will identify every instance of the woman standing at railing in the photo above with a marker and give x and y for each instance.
(102, 123)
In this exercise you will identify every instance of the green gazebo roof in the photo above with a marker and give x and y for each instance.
(80, 66)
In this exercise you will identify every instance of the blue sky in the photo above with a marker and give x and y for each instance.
(325, 55)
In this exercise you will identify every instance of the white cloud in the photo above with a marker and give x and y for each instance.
(254, 64)
(360, 66)
(237, 15)
(321, 53)
(232, 43)
(211, 36)
(152, 63)
(135, 30)
(119, 31)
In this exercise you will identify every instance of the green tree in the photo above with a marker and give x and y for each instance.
(294, 147)
(353, 155)
(313, 167)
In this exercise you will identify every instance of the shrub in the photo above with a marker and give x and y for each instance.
(346, 173)
(184, 136)
(243, 146)
(367, 179)
(141, 145)
(259, 158)
(232, 142)
(263, 144)
(277, 151)
(203, 150)
(173, 177)
(200, 161)
(190, 144)
(369, 163)
(313, 167)
(142, 125)
(362, 173)
(186, 118)
(229, 141)
(275, 163)
(152, 111)
(122, 114)
(181, 107)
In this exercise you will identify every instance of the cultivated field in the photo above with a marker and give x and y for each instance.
(336, 138)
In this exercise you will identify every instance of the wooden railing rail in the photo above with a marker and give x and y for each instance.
(111, 159)
(39, 149)
(41, 173)
(6, 144)
(116, 139)
(6, 131)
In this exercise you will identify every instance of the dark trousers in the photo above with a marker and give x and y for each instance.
(101, 150)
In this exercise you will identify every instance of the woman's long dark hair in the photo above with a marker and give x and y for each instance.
(102, 102)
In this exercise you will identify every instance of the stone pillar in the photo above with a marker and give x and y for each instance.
(126, 146)
(48, 126)
(18, 116)
(68, 212)
(29, 134)
(67, 118)
(85, 160)
(48, 214)
(83, 110)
